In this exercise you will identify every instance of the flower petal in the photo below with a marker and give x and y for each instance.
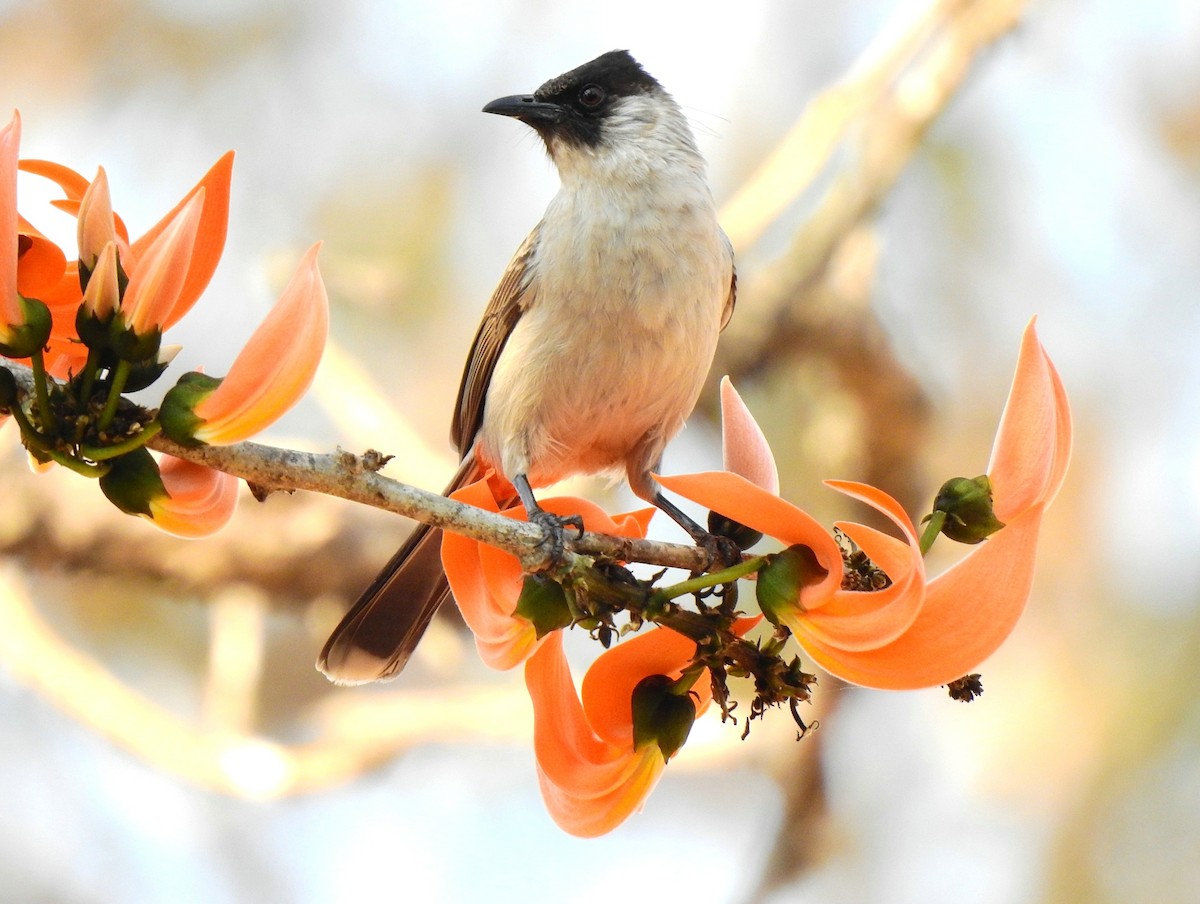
(10, 308)
(608, 685)
(739, 499)
(276, 366)
(41, 265)
(73, 184)
(968, 612)
(157, 279)
(1032, 446)
(589, 786)
(200, 500)
(96, 226)
(587, 816)
(744, 447)
(486, 582)
(210, 235)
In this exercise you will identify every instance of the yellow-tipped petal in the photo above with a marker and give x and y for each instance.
(103, 292)
(158, 275)
(744, 447)
(200, 501)
(276, 366)
(589, 785)
(96, 226)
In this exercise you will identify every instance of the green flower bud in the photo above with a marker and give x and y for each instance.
(721, 526)
(661, 715)
(133, 482)
(543, 603)
(176, 412)
(147, 372)
(94, 332)
(23, 340)
(967, 505)
(132, 347)
(783, 577)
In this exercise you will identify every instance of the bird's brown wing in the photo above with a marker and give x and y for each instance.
(502, 313)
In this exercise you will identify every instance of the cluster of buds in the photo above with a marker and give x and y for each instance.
(855, 599)
(92, 328)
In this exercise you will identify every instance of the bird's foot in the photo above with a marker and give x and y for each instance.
(554, 531)
(723, 552)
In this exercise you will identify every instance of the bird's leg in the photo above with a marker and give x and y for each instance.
(553, 525)
(722, 551)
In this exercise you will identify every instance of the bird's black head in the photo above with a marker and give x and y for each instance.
(572, 107)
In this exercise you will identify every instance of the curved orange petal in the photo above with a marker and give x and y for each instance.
(200, 501)
(41, 264)
(739, 499)
(968, 612)
(158, 276)
(95, 226)
(863, 620)
(486, 582)
(859, 620)
(276, 366)
(73, 184)
(10, 308)
(210, 234)
(608, 685)
(1032, 446)
(589, 786)
(744, 448)
(632, 780)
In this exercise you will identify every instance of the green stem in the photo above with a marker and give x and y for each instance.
(687, 681)
(86, 385)
(34, 439)
(88, 377)
(932, 529)
(712, 579)
(79, 467)
(120, 377)
(42, 388)
(100, 453)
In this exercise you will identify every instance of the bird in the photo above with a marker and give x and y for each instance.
(596, 343)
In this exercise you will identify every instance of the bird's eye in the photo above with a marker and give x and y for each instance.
(592, 96)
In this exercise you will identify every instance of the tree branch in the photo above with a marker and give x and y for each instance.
(357, 479)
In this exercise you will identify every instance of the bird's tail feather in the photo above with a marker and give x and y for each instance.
(379, 633)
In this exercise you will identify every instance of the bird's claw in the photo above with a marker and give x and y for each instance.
(554, 531)
(723, 552)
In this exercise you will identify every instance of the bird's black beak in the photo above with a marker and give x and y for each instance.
(526, 108)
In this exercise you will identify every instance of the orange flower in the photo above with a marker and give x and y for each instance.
(919, 632)
(268, 376)
(156, 282)
(170, 281)
(199, 500)
(24, 324)
(487, 582)
(591, 773)
(276, 366)
(10, 306)
(180, 497)
(744, 448)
